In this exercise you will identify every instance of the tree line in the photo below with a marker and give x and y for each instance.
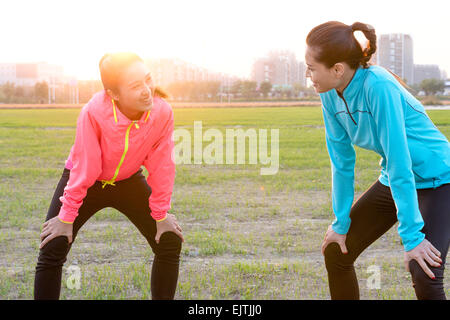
(239, 90)
(40, 93)
(183, 91)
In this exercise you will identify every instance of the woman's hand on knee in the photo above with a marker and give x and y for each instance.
(168, 224)
(54, 228)
(332, 236)
(425, 251)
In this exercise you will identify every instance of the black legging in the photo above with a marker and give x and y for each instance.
(129, 196)
(372, 215)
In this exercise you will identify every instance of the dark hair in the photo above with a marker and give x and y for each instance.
(113, 64)
(334, 42)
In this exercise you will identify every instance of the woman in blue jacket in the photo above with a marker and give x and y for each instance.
(367, 106)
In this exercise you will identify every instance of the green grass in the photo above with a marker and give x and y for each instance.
(248, 236)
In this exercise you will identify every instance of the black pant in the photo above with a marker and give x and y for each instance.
(372, 215)
(129, 196)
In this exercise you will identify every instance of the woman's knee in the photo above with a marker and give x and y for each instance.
(425, 287)
(169, 246)
(54, 253)
(334, 258)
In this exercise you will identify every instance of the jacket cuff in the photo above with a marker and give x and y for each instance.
(66, 217)
(159, 216)
(414, 243)
(341, 227)
(64, 221)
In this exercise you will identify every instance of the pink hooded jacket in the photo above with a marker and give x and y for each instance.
(110, 147)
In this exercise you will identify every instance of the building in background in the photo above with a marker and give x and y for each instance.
(168, 71)
(28, 74)
(426, 71)
(395, 52)
(280, 68)
(262, 71)
(62, 88)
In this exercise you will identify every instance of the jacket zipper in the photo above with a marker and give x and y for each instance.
(125, 150)
(346, 106)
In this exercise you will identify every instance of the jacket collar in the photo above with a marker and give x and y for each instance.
(118, 115)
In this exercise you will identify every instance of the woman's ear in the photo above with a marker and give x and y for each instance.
(113, 95)
(338, 70)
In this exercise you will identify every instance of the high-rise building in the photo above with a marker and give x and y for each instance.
(426, 71)
(280, 68)
(395, 52)
(263, 70)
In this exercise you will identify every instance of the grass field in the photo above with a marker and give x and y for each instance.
(248, 236)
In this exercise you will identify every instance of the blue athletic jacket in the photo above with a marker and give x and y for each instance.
(376, 112)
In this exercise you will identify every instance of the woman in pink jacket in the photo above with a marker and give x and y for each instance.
(127, 125)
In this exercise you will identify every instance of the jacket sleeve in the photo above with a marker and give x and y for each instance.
(160, 164)
(86, 159)
(342, 158)
(386, 105)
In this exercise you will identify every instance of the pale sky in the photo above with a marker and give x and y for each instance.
(224, 36)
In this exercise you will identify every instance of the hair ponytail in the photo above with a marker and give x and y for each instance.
(369, 33)
(157, 91)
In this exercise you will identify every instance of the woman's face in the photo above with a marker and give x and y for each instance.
(135, 88)
(323, 78)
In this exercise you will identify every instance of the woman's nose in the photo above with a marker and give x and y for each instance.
(147, 91)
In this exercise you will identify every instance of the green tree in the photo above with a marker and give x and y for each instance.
(265, 88)
(202, 90)
(8, 91)
(236, 88)
(19, 92)
(287, 92)
(41, 91)
(248, 88)
(432, 86)
(213, 88)
(297, 87)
